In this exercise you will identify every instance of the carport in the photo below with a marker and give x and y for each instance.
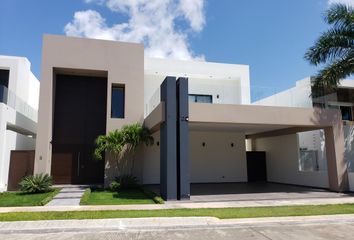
(256, 123)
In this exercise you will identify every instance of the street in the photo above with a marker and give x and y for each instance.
(301, 228)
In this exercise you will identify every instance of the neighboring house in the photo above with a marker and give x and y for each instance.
(312, 151)
(19, 95)
(199, 112)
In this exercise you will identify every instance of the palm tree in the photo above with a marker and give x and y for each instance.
(334, 48)
(120, 143)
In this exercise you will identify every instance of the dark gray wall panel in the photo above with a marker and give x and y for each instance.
(183, 172)
(168, 156)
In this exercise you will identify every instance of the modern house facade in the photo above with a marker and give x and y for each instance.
(19, 95)
(312, 144)
(200, 113)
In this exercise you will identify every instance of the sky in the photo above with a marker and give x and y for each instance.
(271, 36)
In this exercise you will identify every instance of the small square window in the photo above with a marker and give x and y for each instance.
(118, 101)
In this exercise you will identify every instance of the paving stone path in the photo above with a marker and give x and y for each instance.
(68, 196)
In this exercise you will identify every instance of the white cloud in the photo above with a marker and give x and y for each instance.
(152, 22)
(347, 2)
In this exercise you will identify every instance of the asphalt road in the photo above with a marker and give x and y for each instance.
(288, 231)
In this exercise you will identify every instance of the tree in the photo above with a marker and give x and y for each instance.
(334, 48)
(120, 143)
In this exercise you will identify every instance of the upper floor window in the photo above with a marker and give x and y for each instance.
(200, 98)
(346, 110)
(118, 101)
(4, 77)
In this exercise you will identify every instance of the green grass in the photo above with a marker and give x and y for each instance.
(222, 213)
(16, 199)
(104, 197)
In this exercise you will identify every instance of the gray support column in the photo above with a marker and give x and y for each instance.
(168, 162)
(183, 179)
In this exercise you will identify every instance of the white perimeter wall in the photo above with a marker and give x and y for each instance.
(10, 140)
(298, 96)
(216, 162)
(282, 154)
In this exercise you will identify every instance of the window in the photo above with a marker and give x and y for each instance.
(346, 113)
(118, 99)
(308, 161)
(345, 108)
(4, 84)
(200, 98)
(4, 77)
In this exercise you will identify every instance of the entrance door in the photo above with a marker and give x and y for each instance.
(256, 166)
(79, 118)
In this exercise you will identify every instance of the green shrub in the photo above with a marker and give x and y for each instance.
(85, 197)
(128, 182)
(124, 182)
(114, 186)
(38, 183)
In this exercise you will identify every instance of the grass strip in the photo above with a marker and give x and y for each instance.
(50, 196)
(222, 213)
(85, 197)
(17, 199)
(150, 194)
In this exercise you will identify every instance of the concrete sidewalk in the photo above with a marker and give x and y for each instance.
(190, 205)
(150, 224)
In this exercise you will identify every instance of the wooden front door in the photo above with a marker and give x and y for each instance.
(21, 165)
(79, 117)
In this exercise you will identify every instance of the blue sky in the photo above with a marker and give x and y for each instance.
(269, 35)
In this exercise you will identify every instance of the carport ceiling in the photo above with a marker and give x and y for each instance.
(227, 127)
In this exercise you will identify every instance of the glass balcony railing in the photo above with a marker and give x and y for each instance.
(299, 96)
(12, 100)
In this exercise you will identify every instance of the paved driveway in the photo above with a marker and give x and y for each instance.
(256, 191)
(221, 192)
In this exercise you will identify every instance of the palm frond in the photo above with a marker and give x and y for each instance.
(340, 15)
(331, 75)
(335, 43)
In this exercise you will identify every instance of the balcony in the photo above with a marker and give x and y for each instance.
(12, 100)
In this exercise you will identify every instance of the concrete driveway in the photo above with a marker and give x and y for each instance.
(213, 192)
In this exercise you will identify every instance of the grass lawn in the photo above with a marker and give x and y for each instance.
(16, 199)
(103, 197)
(222, 213)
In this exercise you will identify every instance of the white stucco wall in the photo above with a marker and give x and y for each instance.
(227, 83)
(216, 162)
(298, 96)
(151, 162)
(19, 114)
(282, 154)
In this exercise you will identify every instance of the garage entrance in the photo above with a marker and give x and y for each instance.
(80, 116)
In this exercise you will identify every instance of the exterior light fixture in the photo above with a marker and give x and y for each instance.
(158, 143)
(203, 144)
(232, 144)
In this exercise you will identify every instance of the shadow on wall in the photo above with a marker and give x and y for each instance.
(349, 146)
